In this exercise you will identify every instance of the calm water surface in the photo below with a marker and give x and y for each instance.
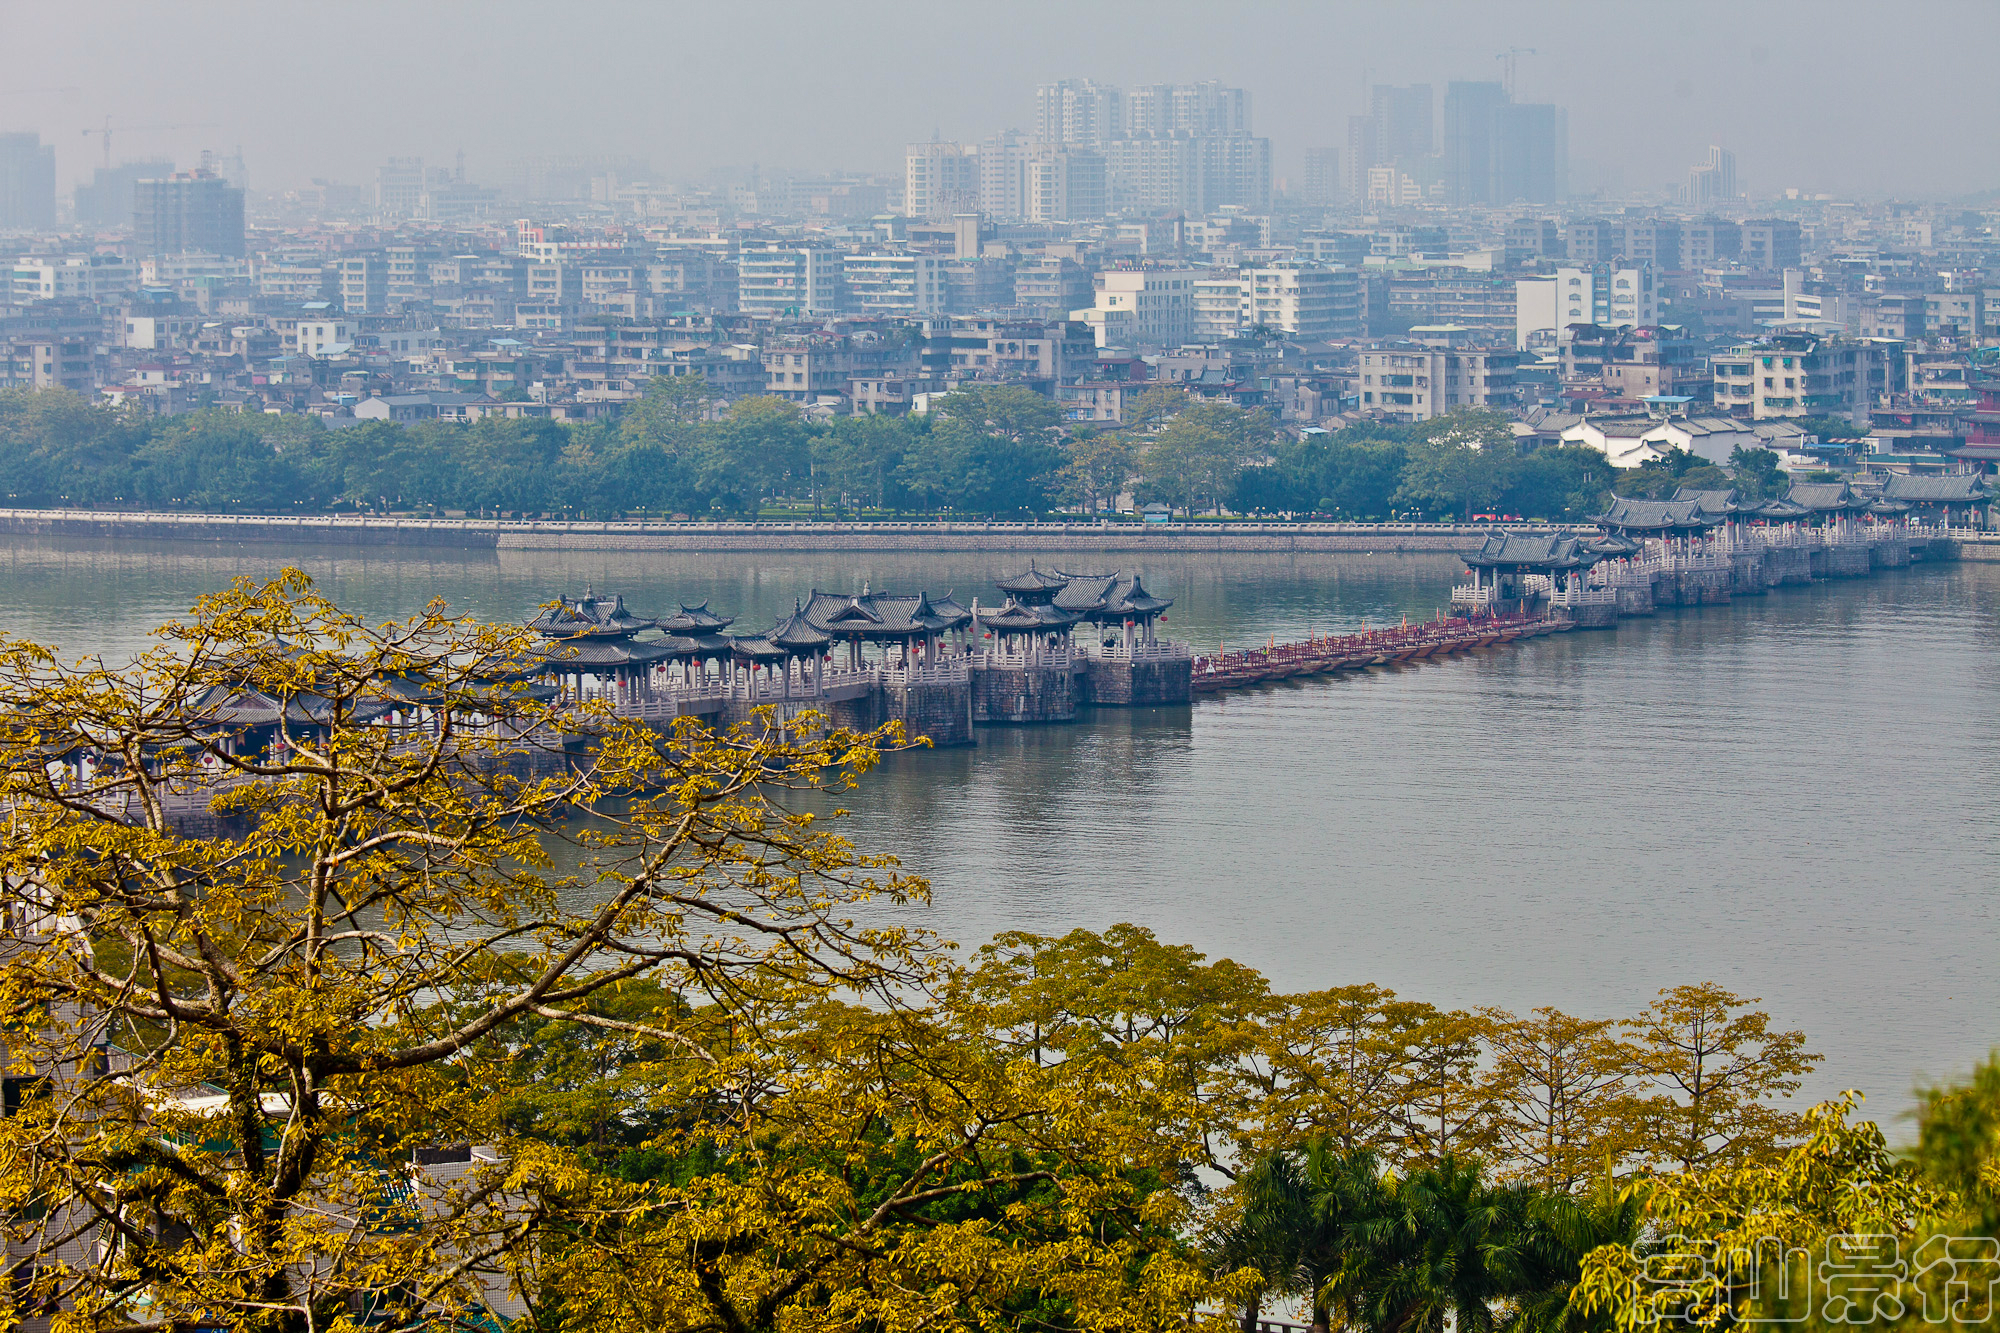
(1797, 796)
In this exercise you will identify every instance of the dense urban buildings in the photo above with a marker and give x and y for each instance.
(1114, 239)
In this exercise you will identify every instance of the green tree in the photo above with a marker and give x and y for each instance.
(1756, 473)
(1461, 462)
(761, 448)
(860, 457)
(1562, 482)
(1559, 1087)
(1445, 1249)
(818, 1129)
(1192, 460)
(669, 407)
(1715, 1070)
(1099, 466)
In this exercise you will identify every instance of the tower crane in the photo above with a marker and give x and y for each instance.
(105, 131)
(1508, 60)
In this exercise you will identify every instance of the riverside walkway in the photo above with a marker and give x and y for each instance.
(1052, 538)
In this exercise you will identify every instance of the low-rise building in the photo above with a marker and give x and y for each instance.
(801, 281)
(894, 284)
(72, 278)
(1142, 306)
(1799, 374)
(1415, 381)
(1632, 362)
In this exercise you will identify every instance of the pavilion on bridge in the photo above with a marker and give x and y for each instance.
(1030, 626)
(917, 629)
(1116, 601)
(794, 650)
(1958, 499)
(592, 651)
(1513, 571)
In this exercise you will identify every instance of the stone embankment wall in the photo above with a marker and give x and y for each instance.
(1027, 538)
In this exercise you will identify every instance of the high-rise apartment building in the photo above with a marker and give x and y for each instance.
(1405, 129)
(106, 201)
(1772, 243)
(1469, 109)
(1499, 151)
(1530, 153)
(1155, 173)
(1063, 184)
(1361, 154)
(1142, 306)
(1079, 112)
(190, 211)
(27, 182)
(1321, 183)
(399, 188)
(894, 284)
(1187, 108)
(1611, 297)
(1712, 184)
(940, 179)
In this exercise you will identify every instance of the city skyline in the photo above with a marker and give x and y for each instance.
(1645, 99)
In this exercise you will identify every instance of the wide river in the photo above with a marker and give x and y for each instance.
(1796, 796)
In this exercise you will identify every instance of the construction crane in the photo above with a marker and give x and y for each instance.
(105, 131)
(1508, 59)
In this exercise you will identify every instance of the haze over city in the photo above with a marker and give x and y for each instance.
(1848, 98)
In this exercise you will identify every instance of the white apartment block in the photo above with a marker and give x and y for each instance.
(191, 266)
(1411, 383)
(1306, 301)
(1303, 300)
(1152, 307)
(1080, 112)
(324, 337)
(940, 179)
(894, 284)
(72, 277)
(804, 281)
(1797, 375)
(1218, 305)
(1600, 294)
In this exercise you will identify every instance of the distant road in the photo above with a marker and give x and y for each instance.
(474, 534)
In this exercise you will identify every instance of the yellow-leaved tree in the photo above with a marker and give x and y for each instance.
(317, 930)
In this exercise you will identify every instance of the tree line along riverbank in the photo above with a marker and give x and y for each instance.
(988, 451)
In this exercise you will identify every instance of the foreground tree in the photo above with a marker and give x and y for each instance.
(243, 1053)
(1717, 1075)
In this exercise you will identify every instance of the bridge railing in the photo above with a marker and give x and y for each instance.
(1163, 650)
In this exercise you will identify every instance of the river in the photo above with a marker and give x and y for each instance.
(1796, 796)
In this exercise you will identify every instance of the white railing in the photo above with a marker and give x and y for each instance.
(952, 671)
(1685, 562)
(1166, 650)
(1625, 574)
(1472, 594)
(1583, 597)
(1054, 659)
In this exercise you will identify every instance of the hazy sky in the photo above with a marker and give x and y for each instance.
(1847, 96)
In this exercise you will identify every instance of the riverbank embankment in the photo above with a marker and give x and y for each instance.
(1106, 538)
(1121, 539)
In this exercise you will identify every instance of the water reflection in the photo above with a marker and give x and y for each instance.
(1797, 796)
